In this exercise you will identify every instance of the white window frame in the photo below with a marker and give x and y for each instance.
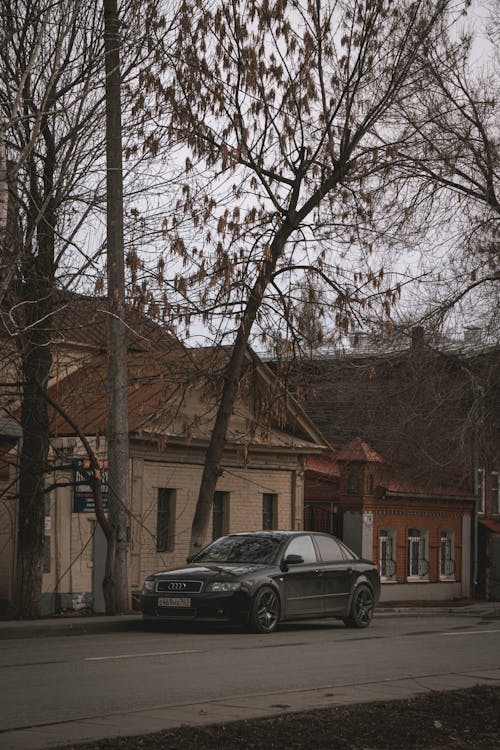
(387, 554)
(479, 490)
(447, 555)
(495, 491)
(417, 555)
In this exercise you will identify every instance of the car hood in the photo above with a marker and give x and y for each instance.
(212, 571)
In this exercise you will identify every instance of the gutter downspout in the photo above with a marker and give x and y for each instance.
(475, 544)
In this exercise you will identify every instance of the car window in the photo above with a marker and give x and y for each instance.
(348, 553)
(303, 546)
(241, 549)
(329, 549)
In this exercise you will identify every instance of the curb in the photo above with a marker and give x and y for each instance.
(101, 624)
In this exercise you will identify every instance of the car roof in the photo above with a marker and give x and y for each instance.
(276, 533)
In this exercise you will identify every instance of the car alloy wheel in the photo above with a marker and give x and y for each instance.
(265, 612)
(362, 606)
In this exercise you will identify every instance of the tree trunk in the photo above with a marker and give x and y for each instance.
(234, 369)
(36, 363)
(4, 194)
(118, 446)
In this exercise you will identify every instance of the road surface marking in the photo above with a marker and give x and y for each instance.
(136, 656)
(472, 632)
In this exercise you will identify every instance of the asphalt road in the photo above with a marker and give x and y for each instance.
(62, 689)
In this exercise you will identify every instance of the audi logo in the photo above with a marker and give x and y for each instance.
(176, 586)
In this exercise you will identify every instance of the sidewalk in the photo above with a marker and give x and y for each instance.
(98, 624)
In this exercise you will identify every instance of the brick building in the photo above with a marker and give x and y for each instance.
(433, 413)
(420, 537)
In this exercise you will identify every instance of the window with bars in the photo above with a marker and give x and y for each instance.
(418, 565)
(165, 520)
(387, 554)
(220, 514)
(495, 492)
(479, 489)
(447, 554)
(269, 511)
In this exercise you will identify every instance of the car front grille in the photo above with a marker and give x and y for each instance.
(179, 587)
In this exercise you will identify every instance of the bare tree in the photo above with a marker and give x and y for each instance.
(284, 102)
(52, 108)
(449, 153)
(49, 64)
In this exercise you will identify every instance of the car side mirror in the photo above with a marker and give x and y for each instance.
(291, 560)
(294, 559)
(190, 558)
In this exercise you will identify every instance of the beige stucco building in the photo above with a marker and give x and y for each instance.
(172, 404)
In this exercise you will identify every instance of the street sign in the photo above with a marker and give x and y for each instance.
(83, 497)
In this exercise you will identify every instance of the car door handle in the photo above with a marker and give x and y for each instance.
(318, 572)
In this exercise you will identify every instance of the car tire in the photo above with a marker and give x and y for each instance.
(362, 607)
(265, 610)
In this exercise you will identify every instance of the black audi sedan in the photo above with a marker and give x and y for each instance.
(259, 579)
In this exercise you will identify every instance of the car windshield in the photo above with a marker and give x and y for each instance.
(241, 549)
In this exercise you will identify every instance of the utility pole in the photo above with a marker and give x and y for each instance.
(118, 441)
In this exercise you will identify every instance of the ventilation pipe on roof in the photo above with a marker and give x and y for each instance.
(472, 335)
(417, 337)
(359, 340)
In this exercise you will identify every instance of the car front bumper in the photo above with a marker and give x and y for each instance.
(230, 607)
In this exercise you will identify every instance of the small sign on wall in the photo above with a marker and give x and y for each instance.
(83, 497)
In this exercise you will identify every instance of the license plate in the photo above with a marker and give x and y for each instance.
(174, 601)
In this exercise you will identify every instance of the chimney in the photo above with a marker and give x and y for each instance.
(417, 338)
(472, 335)
(359, 340)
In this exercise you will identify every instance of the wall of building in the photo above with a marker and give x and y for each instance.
(68, 581)
(353, 531)
(424, 592)
(432, 521)
(245, 488)
(362, 534)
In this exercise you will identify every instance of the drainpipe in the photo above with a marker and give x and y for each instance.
(475, 539)
(478, 423)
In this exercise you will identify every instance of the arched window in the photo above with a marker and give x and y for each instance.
(387, 549)
(418, 564)
(351, 484)
(447, 555)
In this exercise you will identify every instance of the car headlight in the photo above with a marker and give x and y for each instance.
(224, 586)
(149, 585)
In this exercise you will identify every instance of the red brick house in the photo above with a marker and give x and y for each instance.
(419, 536)
(431, 408)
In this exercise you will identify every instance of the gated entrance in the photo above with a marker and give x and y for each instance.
(321, 515)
